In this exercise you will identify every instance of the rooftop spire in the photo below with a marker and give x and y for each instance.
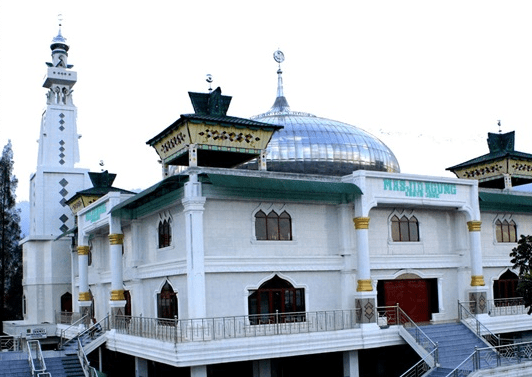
(281, 104)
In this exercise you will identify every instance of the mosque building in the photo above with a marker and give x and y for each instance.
(281, 245)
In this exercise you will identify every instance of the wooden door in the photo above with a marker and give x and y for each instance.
(412, 295)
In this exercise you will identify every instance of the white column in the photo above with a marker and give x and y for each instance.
(363, 265)
(141, 367)
(477, 277)
(84, 296)
(116, 241)
(262, 368)
(198, 371)
(194, 206)
(351, 364)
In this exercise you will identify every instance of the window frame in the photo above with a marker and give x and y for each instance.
(272, 226)
(404, 228)
(164, 233)
(505, 230)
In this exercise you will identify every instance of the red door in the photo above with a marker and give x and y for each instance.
(412, 297)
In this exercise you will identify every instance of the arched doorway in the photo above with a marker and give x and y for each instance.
(417, 297)
(167, 302)
(275, 298)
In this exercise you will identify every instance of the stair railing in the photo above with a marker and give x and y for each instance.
(64, 331)
(422, 366)
(35, 357)
(85, 364)
(471, 321)
(420, 337)
(103, 325)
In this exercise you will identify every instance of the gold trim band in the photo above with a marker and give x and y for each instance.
(474, 226)
(361, 222)
(477, 281)
(83, 250)
(117, 295)
(116, 239)
(84, 296)
(364, 285)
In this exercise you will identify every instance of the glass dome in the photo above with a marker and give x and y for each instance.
(312, 145)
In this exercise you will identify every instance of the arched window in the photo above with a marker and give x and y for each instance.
(273, 227)
(165, 233)
(167, 302)
(405, 229)
(66, 302)
(505, 288)
(273, 300)
(506, 231)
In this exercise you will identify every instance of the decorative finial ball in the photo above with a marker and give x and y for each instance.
(209, 78)
(278, 56)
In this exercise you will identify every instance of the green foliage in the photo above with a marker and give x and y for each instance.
(10, 250)
(522, 259)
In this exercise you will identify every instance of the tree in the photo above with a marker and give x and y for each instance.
(10, 250)
(522, 259)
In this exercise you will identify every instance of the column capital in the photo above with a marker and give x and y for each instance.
(361, 222)
(474, 225)
(364, 285)
(116, 239)
(477, 281)
(83, 250)
(117, 295)
(84, 296)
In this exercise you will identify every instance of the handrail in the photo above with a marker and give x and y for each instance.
(102, 324)
(482, 331)
(422, 366)
(85, 364)
(506, 306)
(10, 343)
(204, 329)
(63, 332)
(38, 357)
(493, 357)
(420, 337)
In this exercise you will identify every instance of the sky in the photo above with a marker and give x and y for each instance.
(428, 78)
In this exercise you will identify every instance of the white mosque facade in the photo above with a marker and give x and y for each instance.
(283, 245)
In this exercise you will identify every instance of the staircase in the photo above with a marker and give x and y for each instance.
(15, 368)
(455, 342)
(67, 366)
(90, 340)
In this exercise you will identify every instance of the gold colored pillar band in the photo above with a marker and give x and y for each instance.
(361, 222)
(364, 285)
(117, 295)
(116, 239)
(477, 281)
(83, 250)
(84, 296)
(474, 226)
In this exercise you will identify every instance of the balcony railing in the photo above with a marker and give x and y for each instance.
(506, 306)
(10, 343)
(67, 318)
(188, 330)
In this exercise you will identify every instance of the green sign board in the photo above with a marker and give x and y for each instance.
(94, 214)
(420, 189)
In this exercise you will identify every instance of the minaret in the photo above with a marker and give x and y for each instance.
(47, 257)
(56, 178)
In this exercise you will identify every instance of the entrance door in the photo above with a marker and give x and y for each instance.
(412, 295)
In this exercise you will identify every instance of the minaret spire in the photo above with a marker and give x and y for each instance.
(281, 104)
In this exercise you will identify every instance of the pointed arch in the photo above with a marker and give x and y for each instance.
(276, 300)
(167, 302)
(505, 288)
